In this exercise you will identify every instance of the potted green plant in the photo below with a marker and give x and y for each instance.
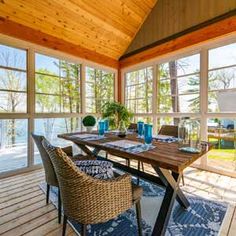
(89, 122)
(116, 112)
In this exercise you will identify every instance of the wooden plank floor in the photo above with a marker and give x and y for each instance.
(23, 210)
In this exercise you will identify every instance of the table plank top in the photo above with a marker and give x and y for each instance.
(164, 155)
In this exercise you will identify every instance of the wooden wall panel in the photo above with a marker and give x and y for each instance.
(169, 17)
(197, 37)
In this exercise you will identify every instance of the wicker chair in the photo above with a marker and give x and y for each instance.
(88, 200)
(50, 175)
(171, 130)
(133, 127)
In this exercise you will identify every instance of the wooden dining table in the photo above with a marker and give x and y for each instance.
(165, 158)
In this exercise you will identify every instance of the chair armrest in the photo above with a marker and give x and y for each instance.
(68, 150)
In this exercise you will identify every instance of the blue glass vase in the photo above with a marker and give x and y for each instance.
(106, 122)
(140, 126)
(148, 134)
(101, 128)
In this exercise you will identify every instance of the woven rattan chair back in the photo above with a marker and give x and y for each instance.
(50, 174)
(133, 126)
(171, 130)
(86, 199)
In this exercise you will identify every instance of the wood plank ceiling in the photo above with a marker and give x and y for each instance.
(104, 26)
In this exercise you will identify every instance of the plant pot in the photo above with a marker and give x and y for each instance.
(89, 128)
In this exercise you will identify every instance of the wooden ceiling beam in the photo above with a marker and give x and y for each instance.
(22, 32)
(209, 32)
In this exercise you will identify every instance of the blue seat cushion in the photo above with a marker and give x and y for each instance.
(96, 168)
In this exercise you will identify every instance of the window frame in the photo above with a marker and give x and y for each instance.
(60, 78)
(203, 113)
(92, 82)
(177, 78)
(135, 85)
(25, 71)
(30, 114)
(232, 66)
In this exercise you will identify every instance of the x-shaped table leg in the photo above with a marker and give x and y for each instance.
(85, 149)
(171, 180)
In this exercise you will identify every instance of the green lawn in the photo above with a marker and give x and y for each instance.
(227, 154)
(222, 154)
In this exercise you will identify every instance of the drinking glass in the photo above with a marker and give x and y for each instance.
(106, 121)
(148, 134)
(140, 125)
(101, 128)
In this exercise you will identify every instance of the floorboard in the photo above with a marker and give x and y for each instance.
(21, 205)
(21, 184)
(23, 210)
(232, 229)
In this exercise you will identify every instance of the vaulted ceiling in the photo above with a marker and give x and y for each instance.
(104, 26)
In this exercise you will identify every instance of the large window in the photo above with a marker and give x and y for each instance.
(138, 90)
(40, 92)
(179, 85)
(13, 80)
(177, 91)
(201, 86)
(99, 89)
(13, 144)
(57, 85)
(222, 134)
(221, 99)
(58, 90)
(51, 127)
(13, 93)
(222, 79)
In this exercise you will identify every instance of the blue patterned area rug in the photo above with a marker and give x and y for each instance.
(203, 217)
